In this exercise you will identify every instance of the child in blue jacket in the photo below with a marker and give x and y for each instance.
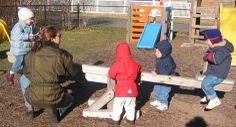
(21, 38)
(165, 65)
(219, 61)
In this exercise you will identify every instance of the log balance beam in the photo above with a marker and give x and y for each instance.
(99, 74)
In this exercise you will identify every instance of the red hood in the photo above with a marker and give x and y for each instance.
(123, 52)
(123, 56)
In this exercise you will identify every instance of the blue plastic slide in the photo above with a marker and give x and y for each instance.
(149, 36)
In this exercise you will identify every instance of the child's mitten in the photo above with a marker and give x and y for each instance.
(38, 36)
(31, 37)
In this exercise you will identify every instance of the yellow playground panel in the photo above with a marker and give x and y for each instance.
(3, 32)
(5, 36)
(228, 27)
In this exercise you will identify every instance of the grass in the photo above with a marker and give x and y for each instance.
(83, 42)
(80, 43)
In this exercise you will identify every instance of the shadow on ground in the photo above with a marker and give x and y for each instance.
(197, 122)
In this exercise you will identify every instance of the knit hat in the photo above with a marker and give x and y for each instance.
(25, 13)
(214, 35)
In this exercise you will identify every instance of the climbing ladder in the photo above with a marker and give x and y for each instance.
(207, 9)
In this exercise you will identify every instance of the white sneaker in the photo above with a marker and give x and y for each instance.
(204, 100)
(212, 104)
(155, 103)
(162, 107)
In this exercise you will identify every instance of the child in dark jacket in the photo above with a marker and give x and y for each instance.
(219, 61)
(165, 65)
(125, 71)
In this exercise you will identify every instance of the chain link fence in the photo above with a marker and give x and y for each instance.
(84, 14)
(61, 15)
(58, 15)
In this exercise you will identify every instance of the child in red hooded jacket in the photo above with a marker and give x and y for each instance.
(125, 71)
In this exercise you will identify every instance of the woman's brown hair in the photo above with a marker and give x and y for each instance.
(47, 34)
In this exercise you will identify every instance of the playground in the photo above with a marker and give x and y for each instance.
(93, 47)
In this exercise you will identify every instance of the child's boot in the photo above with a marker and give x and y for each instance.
(212, 104)
(10, 78)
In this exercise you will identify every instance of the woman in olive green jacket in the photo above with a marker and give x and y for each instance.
(47, 67)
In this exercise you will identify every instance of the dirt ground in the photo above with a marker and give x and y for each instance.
(184, 109)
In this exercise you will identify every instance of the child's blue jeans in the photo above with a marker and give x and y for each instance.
(208, 84)
(16, 66)
(162, 93)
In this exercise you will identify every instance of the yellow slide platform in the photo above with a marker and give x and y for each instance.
(3, 32)
(228, 27)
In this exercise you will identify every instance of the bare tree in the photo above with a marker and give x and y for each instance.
(67, 14)
(84, 8)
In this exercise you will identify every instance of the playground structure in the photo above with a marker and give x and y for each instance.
(227, 27)
(143, 30)
(4, 36)
(96, 106)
